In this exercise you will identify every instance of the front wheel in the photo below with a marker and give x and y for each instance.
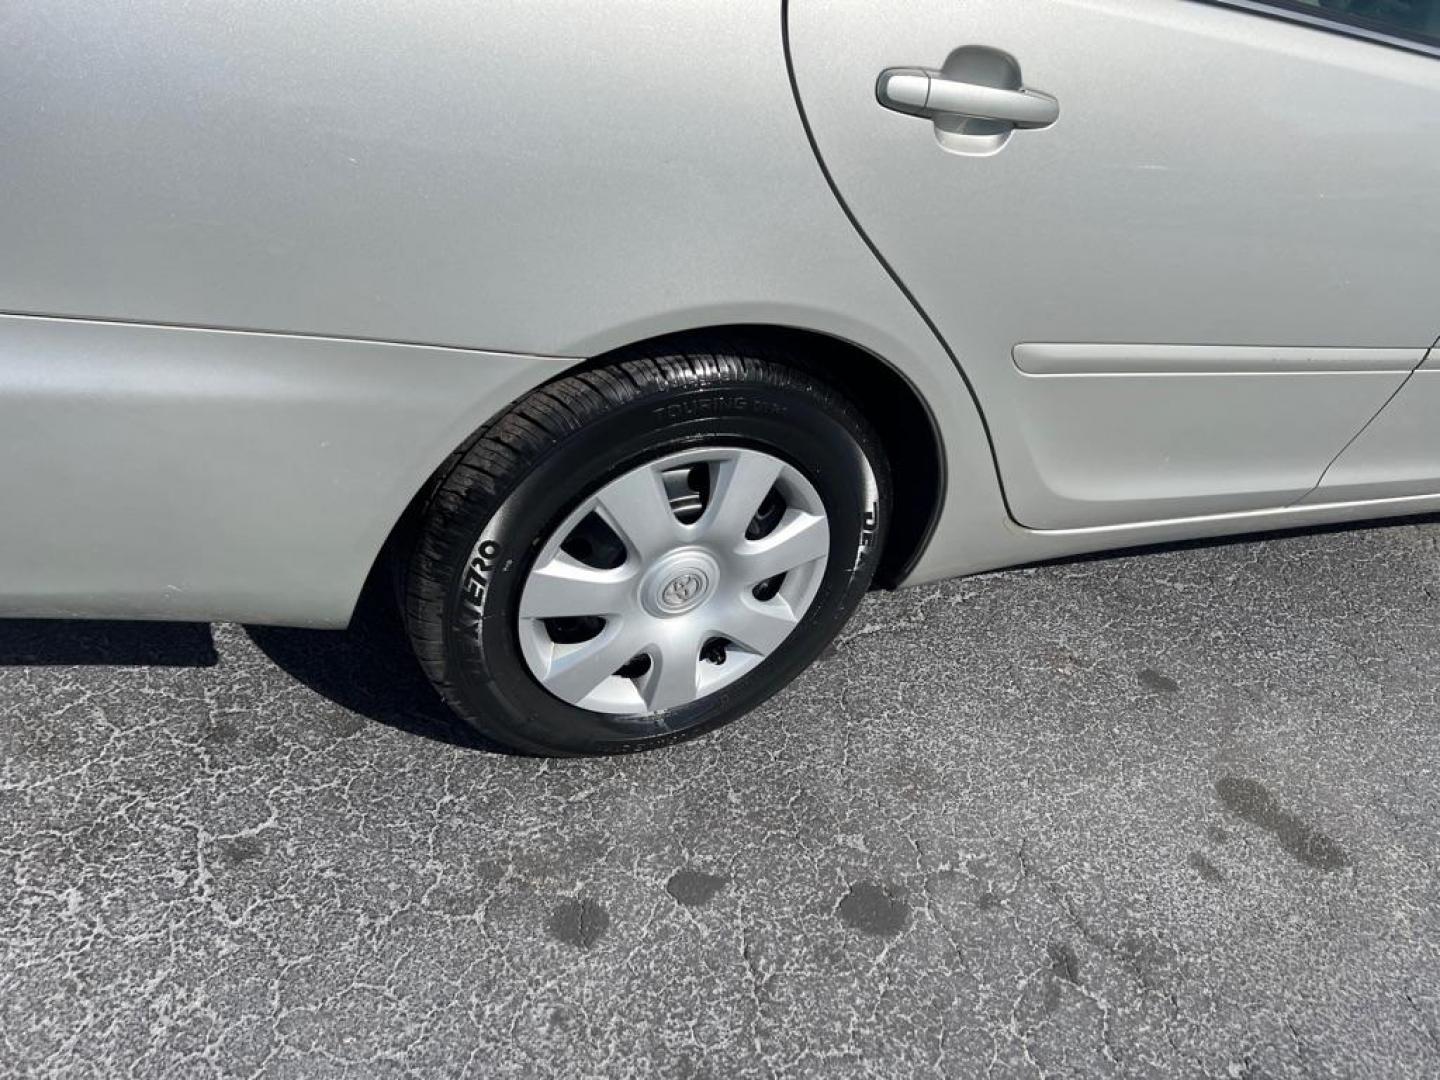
(640, 552)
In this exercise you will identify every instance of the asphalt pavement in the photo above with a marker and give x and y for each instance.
(1172, 814)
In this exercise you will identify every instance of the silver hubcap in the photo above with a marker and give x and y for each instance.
(673, 580)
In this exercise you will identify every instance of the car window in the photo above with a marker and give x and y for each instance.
(1418, 19)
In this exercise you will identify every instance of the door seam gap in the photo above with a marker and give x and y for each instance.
(1319, 483)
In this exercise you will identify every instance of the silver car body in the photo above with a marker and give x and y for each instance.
(265, 264)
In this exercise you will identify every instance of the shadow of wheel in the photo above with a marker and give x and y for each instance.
(370, 670)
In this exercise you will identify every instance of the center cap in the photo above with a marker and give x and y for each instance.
(682, 589)
(678, 583)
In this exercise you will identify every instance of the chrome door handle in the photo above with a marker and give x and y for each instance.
(916, 91)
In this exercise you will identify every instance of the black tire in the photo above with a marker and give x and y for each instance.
(509, 488)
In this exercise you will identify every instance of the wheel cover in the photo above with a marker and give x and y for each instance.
(694, 605)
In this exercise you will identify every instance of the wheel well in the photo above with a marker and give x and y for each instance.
(885, 397)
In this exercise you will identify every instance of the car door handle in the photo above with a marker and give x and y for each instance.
(916, 91)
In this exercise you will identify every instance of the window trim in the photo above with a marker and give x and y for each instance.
(1320, 19)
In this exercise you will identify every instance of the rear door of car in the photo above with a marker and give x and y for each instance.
(1201, 262)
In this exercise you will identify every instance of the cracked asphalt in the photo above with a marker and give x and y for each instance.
(1165, 815)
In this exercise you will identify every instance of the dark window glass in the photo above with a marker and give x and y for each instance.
(1418, 19)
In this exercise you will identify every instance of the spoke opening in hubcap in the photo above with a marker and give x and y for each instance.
(688, 489)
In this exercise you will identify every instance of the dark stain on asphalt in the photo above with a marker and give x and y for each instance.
(1064, 964)
(875, 909)
(1250, 801)
(1204, 867)
(221, 733)
(1150, 960)
(579, 922)
(1156, 683)
(349, 724)
(240, 850)
(988, 901)
(692, 888)
(457, 904)
(1051, 1001)
(1217, 835)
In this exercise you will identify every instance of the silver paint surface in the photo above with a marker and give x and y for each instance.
(193, 474)
(1215, 178)
(399, 173)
